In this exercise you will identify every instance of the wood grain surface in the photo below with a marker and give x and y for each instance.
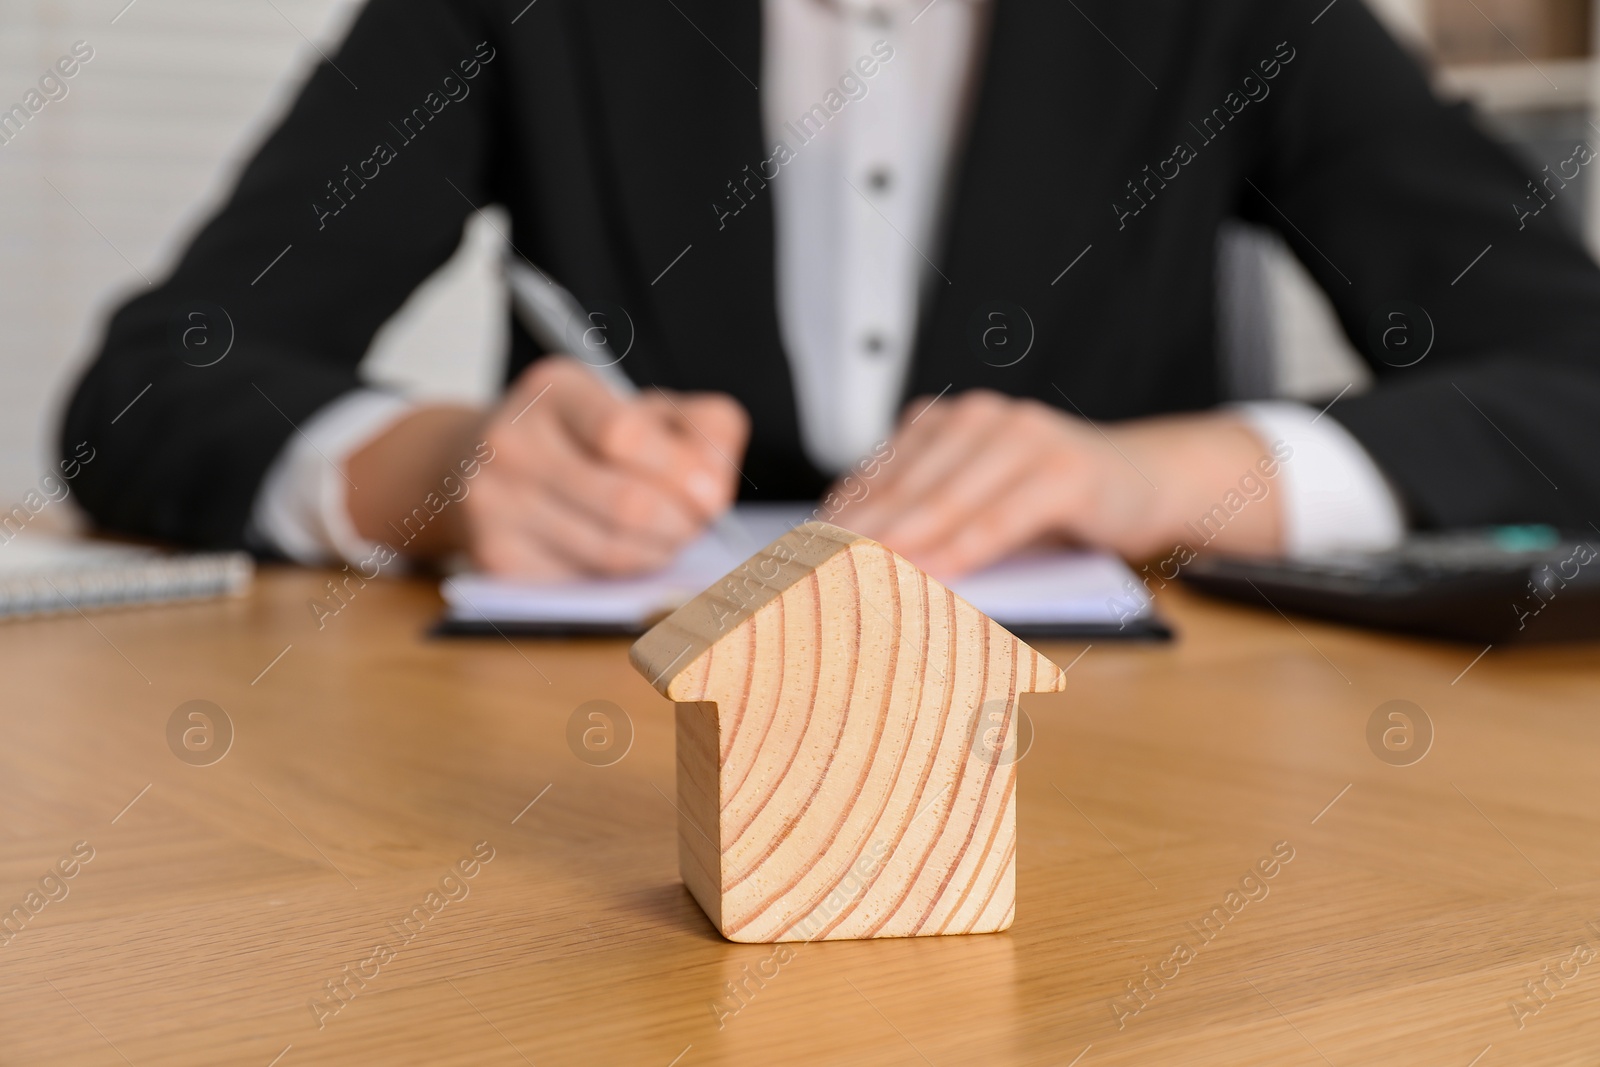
(846, 741)
(371, 767)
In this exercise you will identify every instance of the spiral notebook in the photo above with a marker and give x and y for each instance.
(1050, 594)
(44, 575)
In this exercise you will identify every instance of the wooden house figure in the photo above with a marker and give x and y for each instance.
(845, 757)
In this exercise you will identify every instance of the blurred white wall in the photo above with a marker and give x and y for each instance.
(1406, 19)
(141, 150)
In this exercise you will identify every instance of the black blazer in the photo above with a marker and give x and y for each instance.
(611, 131)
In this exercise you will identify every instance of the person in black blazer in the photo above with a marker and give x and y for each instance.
(1100, 147)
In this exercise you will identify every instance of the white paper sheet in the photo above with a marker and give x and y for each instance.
(1068, 588)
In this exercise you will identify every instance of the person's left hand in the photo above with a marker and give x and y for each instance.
(973, 478)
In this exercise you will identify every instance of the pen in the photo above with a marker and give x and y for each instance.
(549, 312)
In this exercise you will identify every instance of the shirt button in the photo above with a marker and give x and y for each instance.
(879, 179)
(873, 343)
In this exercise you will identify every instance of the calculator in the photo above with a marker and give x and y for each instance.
(1500, 585)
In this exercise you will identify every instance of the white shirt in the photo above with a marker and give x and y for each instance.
(858, 206)
(858, 199)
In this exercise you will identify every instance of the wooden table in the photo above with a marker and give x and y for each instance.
(368, 760)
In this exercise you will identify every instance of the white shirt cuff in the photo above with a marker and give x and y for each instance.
(1335, 499)
(300, 508)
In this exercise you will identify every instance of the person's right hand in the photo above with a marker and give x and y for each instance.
(585, 483)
